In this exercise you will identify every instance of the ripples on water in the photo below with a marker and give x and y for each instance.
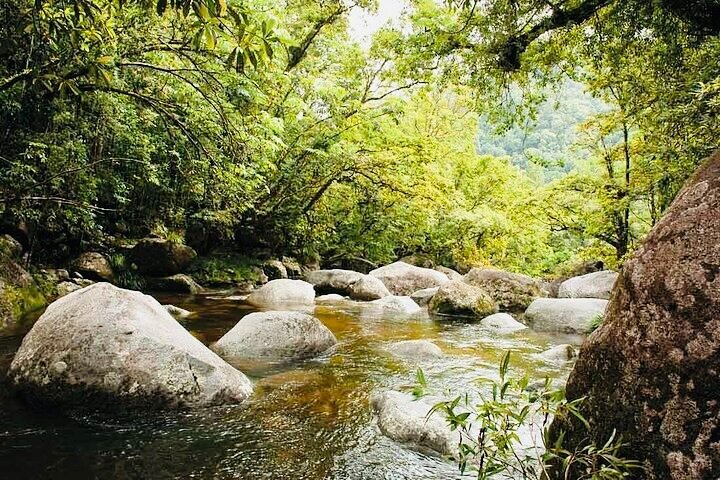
(306, 421)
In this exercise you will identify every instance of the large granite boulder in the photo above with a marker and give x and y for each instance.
(503, 322)
(449, 272)
(275, 336)
(103, 347)
(567, 315)
(458, 299)
(423, 297)
(283, 292)
(19, 294)
(158, 257)
(404, 419)
(590, 285)
(93, 266)
(651, 372)
(512, 291)
(274, 269)
(355, 285)
(403, 279)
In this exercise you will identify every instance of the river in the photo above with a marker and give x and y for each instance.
(305, 421)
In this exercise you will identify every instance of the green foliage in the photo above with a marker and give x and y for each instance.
(504, 434)
(222, 269)
(125, 275)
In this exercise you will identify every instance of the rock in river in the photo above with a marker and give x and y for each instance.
(502, 321)
(458, 299)
(567, 315)
(512, 291)
(355, 285)
(591, 285)
(404, 419)
(103, 347)
(415, 350)
(283, 292)
(403, 279)
(157, 257)
(398, 304)
(93, 266)
(275, 336)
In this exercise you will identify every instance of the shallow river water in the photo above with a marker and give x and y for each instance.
(305, 421)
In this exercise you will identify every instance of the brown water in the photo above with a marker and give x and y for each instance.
(305, 421)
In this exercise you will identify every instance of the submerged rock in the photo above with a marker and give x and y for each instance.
(401, 278)
(283, 292)
(503, 321)
(568, 315)
(93, 266)
(512, 291)
(651, 371)
(103, 347)
(423, 297)
(398, 304)
(590, 285)
(404, 419)
(415, 350)
(559, 354)
(355, 285)
(459, 299)
(177, 312)
(275, 336)
(158, 257)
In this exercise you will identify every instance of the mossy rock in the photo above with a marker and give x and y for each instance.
(19, 294)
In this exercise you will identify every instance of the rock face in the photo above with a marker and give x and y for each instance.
(283, 292)
(403, 279)
(105, 348)
(415, 350)
(157, 257)
(512, 291)
(403, 419)
(275, 336)
(652, 369)
(591, 285)
(292, 267)
(458, 299)
(398, 304)
(568, 315)
(179, 283)
(503, 321)
(355, 285)
(19, 294)
(423, 297)
(93, 266)
(10, 247)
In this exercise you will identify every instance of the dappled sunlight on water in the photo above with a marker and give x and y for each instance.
(310, 420)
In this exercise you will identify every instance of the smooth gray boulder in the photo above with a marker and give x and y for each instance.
(355, 285)
(415, 350)
(330, 298)
(275, 336)
(503, 321)
(107, 348)
(401, 278)
(559, 354)
(512, 291)
(404, 419)
(568, 315)
(283, 292)
(458, 299)
(398, 304)
(449, 272)
(591, 285)
(423, 297)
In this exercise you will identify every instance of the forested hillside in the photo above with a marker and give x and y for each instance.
(265, 125)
